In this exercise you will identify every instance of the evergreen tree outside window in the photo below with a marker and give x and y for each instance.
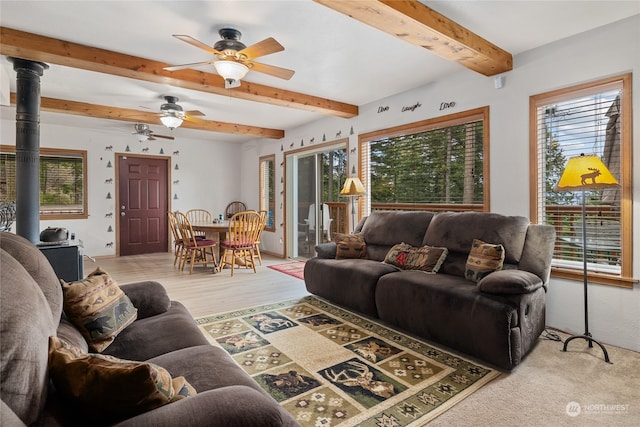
(63, 177)
(590, 119)
(435, 165)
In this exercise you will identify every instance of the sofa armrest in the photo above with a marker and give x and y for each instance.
(326, 250)
(149, 297)
(510, 282)
(220, 407)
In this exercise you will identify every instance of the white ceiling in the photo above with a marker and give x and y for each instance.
(334, 56)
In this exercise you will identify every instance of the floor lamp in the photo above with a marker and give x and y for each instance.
(583, 173)
(352, 189)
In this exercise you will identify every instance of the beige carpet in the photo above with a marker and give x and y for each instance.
(331, 367)
(554, 388)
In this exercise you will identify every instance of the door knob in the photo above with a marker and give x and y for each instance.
(122, 214)
(122, 207)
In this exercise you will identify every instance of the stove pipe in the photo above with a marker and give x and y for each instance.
(28, 147)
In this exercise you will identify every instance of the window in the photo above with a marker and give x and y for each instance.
(267, 190)
(438, 164)
(63, 174)
(590, 119)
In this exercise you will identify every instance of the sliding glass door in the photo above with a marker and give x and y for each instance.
(314, 211)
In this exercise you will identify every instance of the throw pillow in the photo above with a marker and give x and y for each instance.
(110, 387)
(98, 308)
(425, 258)
(350, 246)
(510, 282)
(483, 259)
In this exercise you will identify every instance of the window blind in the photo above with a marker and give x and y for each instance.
(62, 178)
(437, 165)
(582, 122)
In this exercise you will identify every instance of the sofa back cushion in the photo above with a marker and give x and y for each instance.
(38, 266)
(456, 231)
(26, 324)
(383, 229)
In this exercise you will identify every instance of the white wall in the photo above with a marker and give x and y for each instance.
(205, 174)
(614, 313)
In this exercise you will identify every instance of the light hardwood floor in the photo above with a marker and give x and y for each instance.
(203, 292)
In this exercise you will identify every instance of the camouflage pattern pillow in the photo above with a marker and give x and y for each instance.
(483, 259)
(425, 258)
(109, 387)
(350, 246)
(98, 308)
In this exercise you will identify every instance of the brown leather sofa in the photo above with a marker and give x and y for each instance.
(164, 333)
(497, 320)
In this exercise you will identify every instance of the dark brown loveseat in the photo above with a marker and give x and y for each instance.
(497, 320)
(164, 333)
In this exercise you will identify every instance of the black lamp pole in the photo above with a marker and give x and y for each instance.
(587, 335)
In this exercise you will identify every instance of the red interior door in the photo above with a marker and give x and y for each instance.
(142, 205)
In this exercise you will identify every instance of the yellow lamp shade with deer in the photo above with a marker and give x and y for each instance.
(585, 173)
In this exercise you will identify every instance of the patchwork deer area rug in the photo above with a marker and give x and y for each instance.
(331, 367)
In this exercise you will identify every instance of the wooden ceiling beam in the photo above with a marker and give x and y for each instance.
(35, 47)
(420, 25)
(128, 115)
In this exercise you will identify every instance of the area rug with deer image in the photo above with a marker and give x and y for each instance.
(328, 366)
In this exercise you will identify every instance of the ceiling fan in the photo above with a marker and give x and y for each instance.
(144, 133)
(234, 58)
(172, 115)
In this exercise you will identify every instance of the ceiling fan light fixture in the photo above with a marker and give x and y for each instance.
(171, 121)
(142, 137)
(231, 70)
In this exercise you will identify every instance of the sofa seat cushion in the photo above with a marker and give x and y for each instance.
(156, 335)
(216, 372)
(215, 368)
(233, 406)
(383, 229)
(347, 282)
(452, 311)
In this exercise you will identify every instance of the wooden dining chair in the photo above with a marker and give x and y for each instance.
(178, 245)
(195, 251)
(241, 240)
(263, 223)
(233, 208)
(200, 216)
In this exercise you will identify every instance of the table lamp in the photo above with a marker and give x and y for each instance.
(583, 173)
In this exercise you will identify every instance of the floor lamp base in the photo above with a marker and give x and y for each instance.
(587, 336)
